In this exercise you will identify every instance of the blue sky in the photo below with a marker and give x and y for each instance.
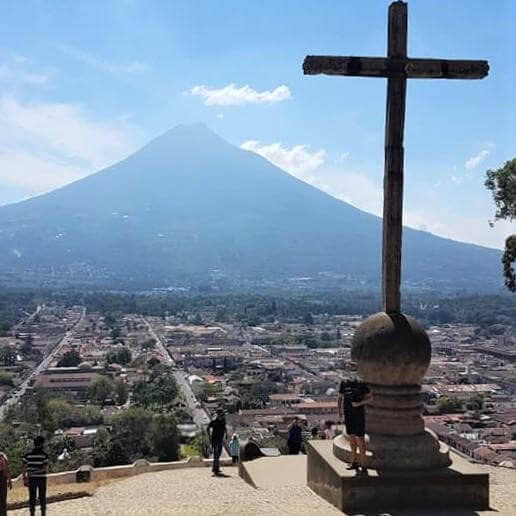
(85, 83)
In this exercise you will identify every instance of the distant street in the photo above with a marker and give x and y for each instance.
(28, 319)
(199, 415)
(20, 391)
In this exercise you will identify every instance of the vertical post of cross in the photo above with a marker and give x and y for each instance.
(394, 154)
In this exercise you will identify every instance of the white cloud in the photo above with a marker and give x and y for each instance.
(18, 69)
(102, 64)
(220, 116)
(355, 188)
(295, 160)
(352, 187)
(463, 228)
(231, 95)
(475, 160)
(366, 193)
(47, 145)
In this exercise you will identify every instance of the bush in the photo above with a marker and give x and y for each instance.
(165, 438)
(101, 390)
(119, 355)
(6, 378)
(70, 359)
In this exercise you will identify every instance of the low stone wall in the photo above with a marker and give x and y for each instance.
(89, 474)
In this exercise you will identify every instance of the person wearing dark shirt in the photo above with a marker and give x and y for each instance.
(295, 437)
(35, 467)
(217, 432)
(351, 399)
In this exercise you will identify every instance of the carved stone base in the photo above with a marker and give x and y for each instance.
(392, 352)
(460, 486)
(388, 455)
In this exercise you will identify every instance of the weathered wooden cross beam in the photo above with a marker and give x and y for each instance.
(397, 68)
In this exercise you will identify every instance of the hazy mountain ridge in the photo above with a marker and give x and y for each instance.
(189, 202)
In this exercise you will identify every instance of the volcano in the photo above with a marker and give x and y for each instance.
(189, 203)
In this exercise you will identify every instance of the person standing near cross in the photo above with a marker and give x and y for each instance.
(391, 350)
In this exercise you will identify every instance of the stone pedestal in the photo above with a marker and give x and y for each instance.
(458, 486)
(410, 468)
(392, 353)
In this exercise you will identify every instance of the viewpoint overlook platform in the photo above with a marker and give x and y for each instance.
(193, 491)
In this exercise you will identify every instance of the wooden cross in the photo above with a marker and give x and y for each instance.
(397, 68)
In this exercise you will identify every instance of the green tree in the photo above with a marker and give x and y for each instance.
(6, 378)
(117, 454)
(141, 395)
(71, 358)
(7, 356)
(325, 336)
(449, 404)
(27, 346)
(308, 319)
(14, 446)
(502, 184)
(60, 412)
(149, 344)
(475, 402)
(165, 438)
(152, 362)
(159, 391)
(119, 355)
(209, 390)
(132, 428)
(44, 415)
(221, 315)
(101, 447)
(121, 391)
(101, 389)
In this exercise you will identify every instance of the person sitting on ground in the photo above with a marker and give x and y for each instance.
(352, 397)
(328, 430)
(5, 483)
(35, 468)
(234, 448)
(295, 437)
(217, 433)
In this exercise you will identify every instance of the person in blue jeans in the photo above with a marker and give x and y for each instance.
(217, 433)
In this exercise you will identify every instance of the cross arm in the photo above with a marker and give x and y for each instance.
(395, 67)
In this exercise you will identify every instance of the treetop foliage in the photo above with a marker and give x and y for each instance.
(502, 184)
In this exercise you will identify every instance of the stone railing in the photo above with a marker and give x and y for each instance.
(89, 474)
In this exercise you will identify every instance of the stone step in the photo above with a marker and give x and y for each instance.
(342, 449)
(273, 472)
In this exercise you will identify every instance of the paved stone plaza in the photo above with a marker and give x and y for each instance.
(195, 492)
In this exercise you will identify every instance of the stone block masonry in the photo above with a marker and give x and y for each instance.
(461, 485)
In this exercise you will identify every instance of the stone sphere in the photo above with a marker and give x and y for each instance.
(391, 349)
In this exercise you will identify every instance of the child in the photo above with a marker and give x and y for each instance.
(234, 448)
